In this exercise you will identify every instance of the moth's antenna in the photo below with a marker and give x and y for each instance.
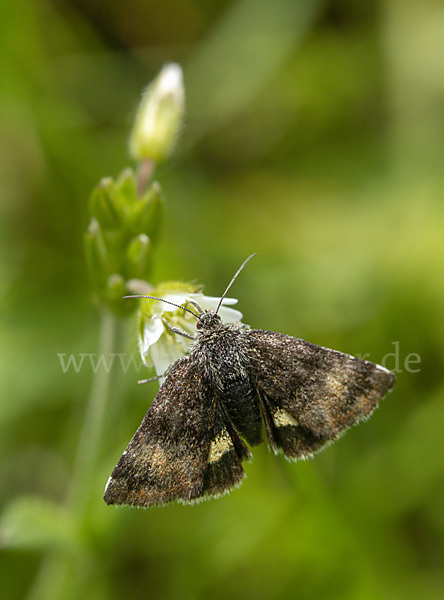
(232, 281)
(167, 301)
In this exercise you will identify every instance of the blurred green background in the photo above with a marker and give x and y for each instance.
(315, 137)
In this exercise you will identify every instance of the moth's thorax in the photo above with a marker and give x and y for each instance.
(221, 352)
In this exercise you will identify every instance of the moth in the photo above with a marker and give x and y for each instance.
(234, 383)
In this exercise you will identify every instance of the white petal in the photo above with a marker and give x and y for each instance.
(209, 302)
(230, 315)
(177, 299)
(152, 330)
(171, 82)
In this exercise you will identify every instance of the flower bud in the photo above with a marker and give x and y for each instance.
(115, 287)
(112, 295)
(120, 238)
(159, 116)
(139, 255)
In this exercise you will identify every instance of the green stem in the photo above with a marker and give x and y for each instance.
(145, 172)
(91, 433)
(54, 574)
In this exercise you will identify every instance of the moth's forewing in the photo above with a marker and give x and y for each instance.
(167, 455)
(309, 394)
(184, 448)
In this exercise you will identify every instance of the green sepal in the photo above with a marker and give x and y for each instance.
(102, 205)
(96, 254)
(146, 213)
(125, 193)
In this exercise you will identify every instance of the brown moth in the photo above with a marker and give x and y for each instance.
(191, 444)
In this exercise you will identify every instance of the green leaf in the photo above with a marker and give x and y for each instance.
(37, 523)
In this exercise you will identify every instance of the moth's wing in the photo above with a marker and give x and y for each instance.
(227, 451)
(182, 445)
(309, 394)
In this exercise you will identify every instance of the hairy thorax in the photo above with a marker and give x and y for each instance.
(223, 357)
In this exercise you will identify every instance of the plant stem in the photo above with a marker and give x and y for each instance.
(54, 574)
(144, 174)
(91, 433)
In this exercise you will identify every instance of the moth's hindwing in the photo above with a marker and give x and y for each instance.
(185, 448)
(227, 451)
(309, 394)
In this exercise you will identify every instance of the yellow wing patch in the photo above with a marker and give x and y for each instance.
(219, 446)
(281, 418)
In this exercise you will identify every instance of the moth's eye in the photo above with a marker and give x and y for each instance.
(198, 325)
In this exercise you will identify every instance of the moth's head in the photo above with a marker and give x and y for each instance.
(208, 320)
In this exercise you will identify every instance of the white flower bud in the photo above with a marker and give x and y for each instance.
(159, 117)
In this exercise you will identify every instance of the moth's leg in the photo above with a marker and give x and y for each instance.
(177, 330)
(142, 381)
(165, 374)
